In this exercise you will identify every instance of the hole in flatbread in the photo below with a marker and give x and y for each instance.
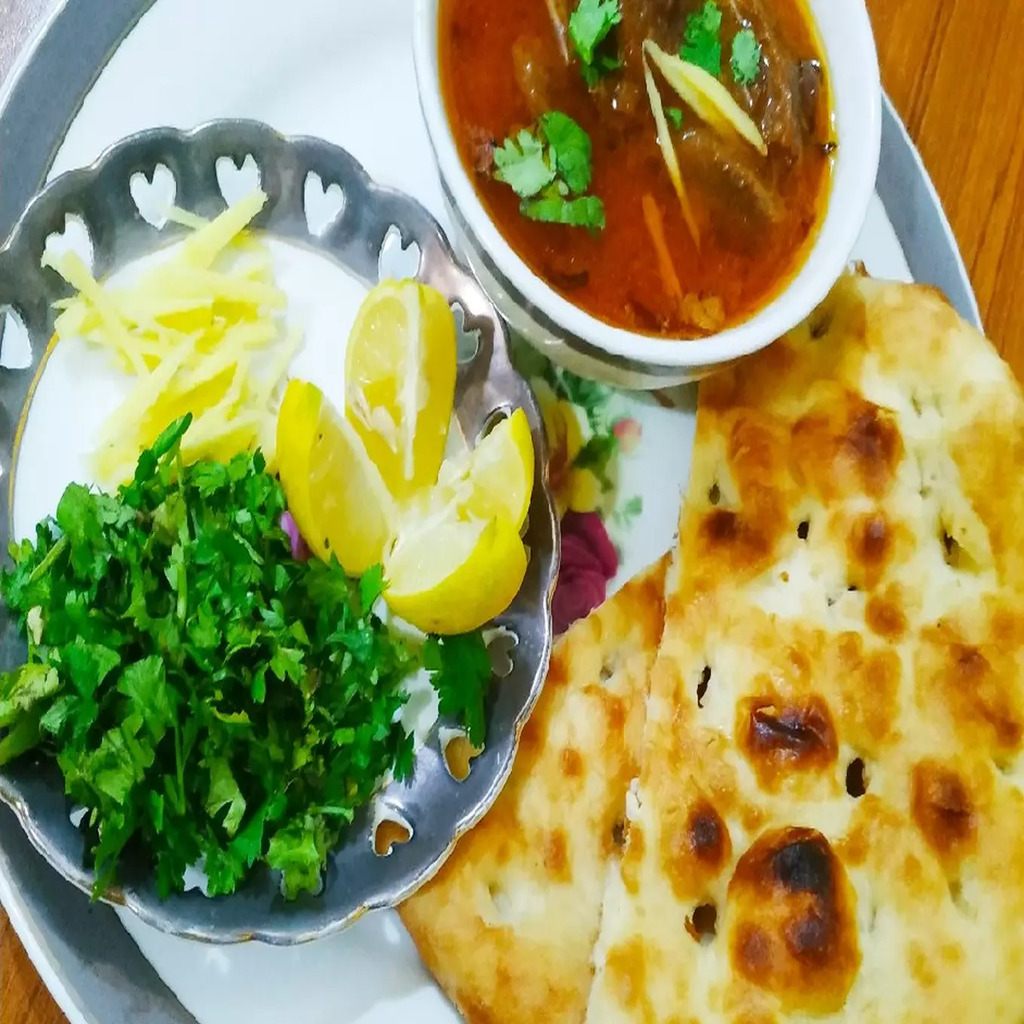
(702, 686)
(607, 671)
(820, 323)
(714, 494)
(619, 835)
(852, 588)
(956, 894)
(957, 557)
(500, 900)
(458, 755)
(702, 923)
(389, 833)
(803, 530)
(856, 783)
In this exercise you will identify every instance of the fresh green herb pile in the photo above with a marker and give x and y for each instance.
(209, 699)
(549, 168)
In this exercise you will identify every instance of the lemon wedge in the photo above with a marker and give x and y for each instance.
(334, 491)
(297, 423)
(400, 382)
(452, 575)
(496, 477)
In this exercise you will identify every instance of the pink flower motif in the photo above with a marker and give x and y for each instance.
(300, 550)
(589, 561)
(628, 432)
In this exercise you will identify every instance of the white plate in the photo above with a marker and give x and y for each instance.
(342, 70)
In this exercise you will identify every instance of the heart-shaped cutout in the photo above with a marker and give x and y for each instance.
(501, 642)
(458, 753)
(154, 195)
(390, 831)
(15, 343)
(395, 260)
(237, 181)
(75, 238)
(467, 341)
(323, 206)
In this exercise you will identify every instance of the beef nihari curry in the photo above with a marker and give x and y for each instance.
(663, 164)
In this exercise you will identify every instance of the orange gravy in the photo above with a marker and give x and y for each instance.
(613, 274)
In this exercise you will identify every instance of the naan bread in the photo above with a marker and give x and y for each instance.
(829, 821)
(509, 925)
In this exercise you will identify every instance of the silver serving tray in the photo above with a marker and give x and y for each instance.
(85, 956)
(436, 806)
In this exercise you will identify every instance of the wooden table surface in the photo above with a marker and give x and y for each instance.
(955, 71)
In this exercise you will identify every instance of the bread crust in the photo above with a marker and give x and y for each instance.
(829, 822)
(508, 926)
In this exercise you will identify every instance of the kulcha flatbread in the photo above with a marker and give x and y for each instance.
(509, 925)
(829, 820)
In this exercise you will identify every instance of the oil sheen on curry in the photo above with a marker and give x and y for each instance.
(663, 164)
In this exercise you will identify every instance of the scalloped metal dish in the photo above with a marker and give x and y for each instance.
(438, 808)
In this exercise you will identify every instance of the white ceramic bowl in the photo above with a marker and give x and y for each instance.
(592, 348)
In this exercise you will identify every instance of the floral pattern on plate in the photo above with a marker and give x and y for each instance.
(590, 430)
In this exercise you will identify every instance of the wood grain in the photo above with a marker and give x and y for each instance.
(955, 72)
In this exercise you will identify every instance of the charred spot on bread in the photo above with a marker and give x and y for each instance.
(943, 810)
(794, 929)
(779, 736)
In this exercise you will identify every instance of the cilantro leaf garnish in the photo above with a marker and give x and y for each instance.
(523, 164)
(550, 169)
(551, 208)
(589, 26)
(675, 116)
(701, 43)
(460, 671)
(746, 57)
(207, 698)
(570, 150)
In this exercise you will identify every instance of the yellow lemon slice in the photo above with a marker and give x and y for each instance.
(496, 477)
(297, 423)
(452, 575)
(334, 490)
(400, 382)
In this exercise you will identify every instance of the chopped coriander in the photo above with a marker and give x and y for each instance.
(549, 168)
(746, 57)
(589, 26)
(202, 692)
(675, 117)
(570, 149)
(603, 65)
(461, 673)
(523, 164)
(701, 43)
(581, 212)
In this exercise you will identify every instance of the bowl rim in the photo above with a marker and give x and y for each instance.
(808, 286)
(488, 384)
